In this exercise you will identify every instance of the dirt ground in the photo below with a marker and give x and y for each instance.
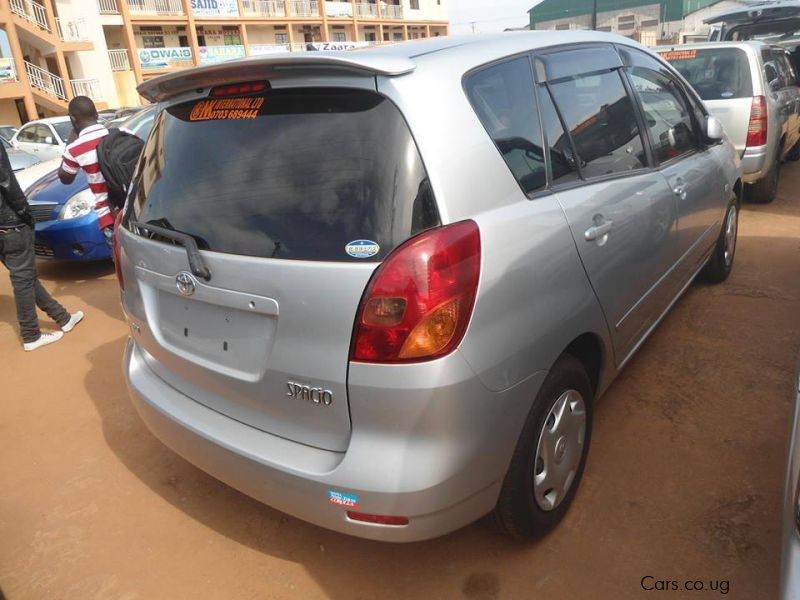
(684, 479)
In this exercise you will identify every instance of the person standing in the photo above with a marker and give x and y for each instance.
(17, 254)
(81, 153)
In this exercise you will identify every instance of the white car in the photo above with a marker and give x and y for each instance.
(45, 138)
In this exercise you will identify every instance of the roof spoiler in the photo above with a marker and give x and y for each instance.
(361, 62)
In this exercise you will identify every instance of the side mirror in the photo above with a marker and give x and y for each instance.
(714, 129)
(48, 139)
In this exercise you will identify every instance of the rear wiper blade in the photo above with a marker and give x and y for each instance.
(196, 263)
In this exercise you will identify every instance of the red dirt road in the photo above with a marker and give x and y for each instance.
(684, 479)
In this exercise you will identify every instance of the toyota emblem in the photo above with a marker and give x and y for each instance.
(186, 283)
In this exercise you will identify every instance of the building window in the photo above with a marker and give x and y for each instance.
(153, 41)
(414, 4)
(369, 36)
(339, 37)
(232, 38)
(281, 38)
(562, 26)
(650, 23)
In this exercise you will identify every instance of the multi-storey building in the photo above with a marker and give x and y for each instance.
(57, 49)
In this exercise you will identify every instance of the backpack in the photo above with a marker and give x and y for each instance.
(118, 154)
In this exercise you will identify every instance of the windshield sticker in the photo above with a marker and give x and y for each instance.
(342, 499)
(678, 55)
(362, 248)
(226, 108)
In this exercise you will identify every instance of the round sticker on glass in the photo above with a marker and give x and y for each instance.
(362, 248)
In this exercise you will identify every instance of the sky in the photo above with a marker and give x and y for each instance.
(488, 15)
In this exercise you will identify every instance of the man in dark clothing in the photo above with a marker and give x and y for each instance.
(17, 254)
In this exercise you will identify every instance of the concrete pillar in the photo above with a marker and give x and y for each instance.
(22, 74)
(130, 41)
(243, 35)
(193, 44)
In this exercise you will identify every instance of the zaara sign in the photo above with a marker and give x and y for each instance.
(161, 58)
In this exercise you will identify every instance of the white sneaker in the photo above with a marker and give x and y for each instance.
(74, 319)
(44, 339)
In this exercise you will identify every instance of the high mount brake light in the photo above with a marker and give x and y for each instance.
(419, 301)
(239, 89)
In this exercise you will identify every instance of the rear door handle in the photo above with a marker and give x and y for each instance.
(598, 231)
(680, 188)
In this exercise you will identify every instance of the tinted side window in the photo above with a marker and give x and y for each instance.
(41, 133)
(27, 134)
(666, 113)
(600, 116)
(562, 157)
(503, 98)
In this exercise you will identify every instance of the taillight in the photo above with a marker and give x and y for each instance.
(757, 127)
(419, 301)
(117, 265)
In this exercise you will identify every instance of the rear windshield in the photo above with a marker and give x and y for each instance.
(313, 174)
(716, 73)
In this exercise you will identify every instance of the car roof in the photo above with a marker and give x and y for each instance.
(456, 52)
(48, 120)
(772, 9)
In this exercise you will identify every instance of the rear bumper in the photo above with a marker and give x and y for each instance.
(73, 239)
(755, 163)
(389, 475)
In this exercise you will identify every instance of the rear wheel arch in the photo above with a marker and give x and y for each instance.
(588, 348)
(738, 189)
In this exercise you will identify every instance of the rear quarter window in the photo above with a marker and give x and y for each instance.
(288, 174)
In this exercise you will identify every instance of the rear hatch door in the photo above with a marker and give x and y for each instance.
(723, 79)
(293, 196)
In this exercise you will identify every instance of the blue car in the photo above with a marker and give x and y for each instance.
(66, 224)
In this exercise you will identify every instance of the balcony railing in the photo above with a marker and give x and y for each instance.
(391, 11)
(164, 8)
(108, 7)
(338, 9)
(31, 12)
(365, 10)
(264, 8)
(45, 81)
(86, 87)
(119, 60)
(72, 30)
(303, 8)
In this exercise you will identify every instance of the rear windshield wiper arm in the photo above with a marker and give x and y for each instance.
(196, 263)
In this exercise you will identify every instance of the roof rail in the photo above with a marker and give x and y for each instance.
(364, 62)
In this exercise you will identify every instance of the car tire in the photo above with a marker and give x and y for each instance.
(720, 265)
(765, 189)
(794, 154)
(555, 439)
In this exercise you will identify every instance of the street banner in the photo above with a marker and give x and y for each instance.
(214, 54)
(215, 8)
(163, 58)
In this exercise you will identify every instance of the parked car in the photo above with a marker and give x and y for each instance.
(790, 568)
(19, 158)
(773, 21)
(66, 224)
(752, 89)
(397, 338)
(45, 138)
(7, 132)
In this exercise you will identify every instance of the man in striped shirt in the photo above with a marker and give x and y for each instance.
(81, 153)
